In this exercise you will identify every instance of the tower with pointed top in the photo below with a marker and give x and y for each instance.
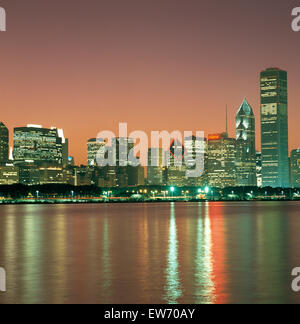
(4, 144)
(245, 146)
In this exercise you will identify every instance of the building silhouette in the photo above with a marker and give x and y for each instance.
(195, 149)
(258, 169)
(176, 170)
(221, 169)
(94, 146)
(156, 167)
(295, 168)
(274, 128)
(245, 146)
(4, 144)
(38, 152)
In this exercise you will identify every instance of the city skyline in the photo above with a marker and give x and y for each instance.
(123, 67)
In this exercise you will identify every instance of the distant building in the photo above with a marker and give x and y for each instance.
(258, 169)
(71, 161)
(156, 167)
(69, 175)
(123, 168)
(93, 147)
(50, 174)
(195, 147)
(295, 168)
(29, 173)
(221, 168)
(136, 176)
(4, 144)
(65, 153)
(37, 145)
(9, 174)
(83, 176)
(176, 171)
(245, 146)
(274, 128)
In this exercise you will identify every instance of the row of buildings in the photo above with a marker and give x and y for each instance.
(41, 155)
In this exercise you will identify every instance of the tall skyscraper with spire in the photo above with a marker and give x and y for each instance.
(274, 128)
(245, 146)
(4, 144)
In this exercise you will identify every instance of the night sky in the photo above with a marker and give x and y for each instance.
(87, 65)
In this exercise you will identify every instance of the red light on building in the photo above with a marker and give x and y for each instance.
(215, 137)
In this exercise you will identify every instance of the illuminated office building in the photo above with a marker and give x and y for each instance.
(245, 146)
(122, 174)
(39, 154)
(258, 170)
(50, 174)
(93, 147)
(37, 145)
(195, 148)
(9, 174)
(176, 170)
(29, 173)
(83, 176)
(221, 170)
(156, 167)
(4, 144)
(274, 128)
(295, 168)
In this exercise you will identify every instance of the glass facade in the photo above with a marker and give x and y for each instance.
(39, 145)
(94, 146)
(156, 167)
(221, 167)
(4, 144)
(295, 168)
(245, 146)
(274, 128)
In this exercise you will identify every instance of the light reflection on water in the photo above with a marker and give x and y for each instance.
(204, 285)
(173, 289)
(150, 253)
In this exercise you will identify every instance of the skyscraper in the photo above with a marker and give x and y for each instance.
(245, 146)
(94, 145)
(295, 168)
(274, 128)
(38, 152)
(176, 171)
(4, 144)
(196, 148)
(156, 167)
(221, 168)
(37, 144)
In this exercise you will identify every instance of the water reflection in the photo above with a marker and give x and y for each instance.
(150, 253)
(106, 266)
(219, 251)
(173, 289)
(203, 275)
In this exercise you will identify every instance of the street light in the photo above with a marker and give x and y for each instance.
(172, 190)
(206, 190)
(37, 194)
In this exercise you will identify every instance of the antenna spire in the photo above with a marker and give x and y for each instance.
(227, 120)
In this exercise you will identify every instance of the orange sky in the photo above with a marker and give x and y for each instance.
(164, 65)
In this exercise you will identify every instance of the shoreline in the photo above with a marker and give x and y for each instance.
(123, 201)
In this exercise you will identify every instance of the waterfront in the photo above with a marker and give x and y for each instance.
(217, 252)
